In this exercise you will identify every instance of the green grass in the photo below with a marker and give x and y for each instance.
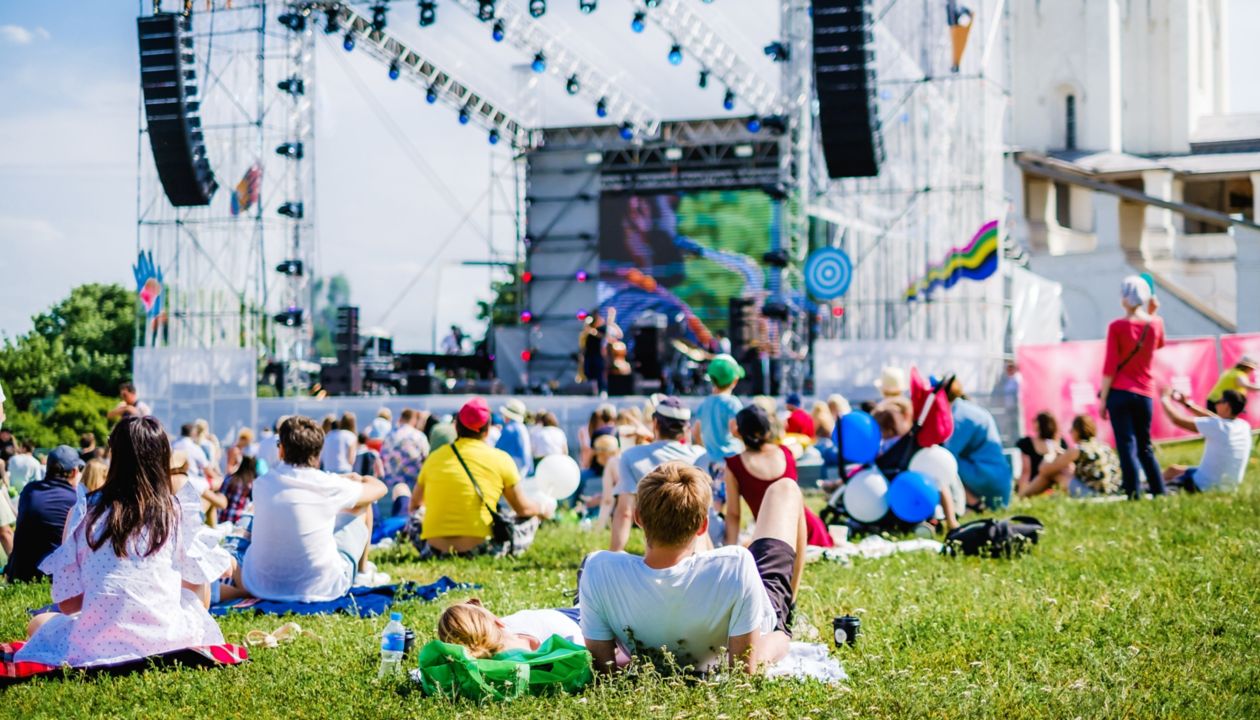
(1124, 610)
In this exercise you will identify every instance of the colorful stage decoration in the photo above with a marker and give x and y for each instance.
(976, 261)
(148, 283)
(959, 19)
(246, 193)
(828, 272)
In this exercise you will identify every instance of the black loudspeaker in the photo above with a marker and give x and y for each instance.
(621, 385)
(649, 352)
(844, 73)
(743, 324)
(346, 334)
(342, 378)
(168, 79)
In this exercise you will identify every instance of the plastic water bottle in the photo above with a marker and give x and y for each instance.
(393, 642)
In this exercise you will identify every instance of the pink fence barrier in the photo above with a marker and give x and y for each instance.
(1234, 347)
(1064, 378)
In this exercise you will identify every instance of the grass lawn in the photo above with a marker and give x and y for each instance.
(1125, 610)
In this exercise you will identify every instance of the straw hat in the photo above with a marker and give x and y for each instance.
(892, 381)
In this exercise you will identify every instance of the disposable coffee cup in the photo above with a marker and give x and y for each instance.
(839, 534)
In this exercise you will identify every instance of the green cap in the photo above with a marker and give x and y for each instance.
(723, 370)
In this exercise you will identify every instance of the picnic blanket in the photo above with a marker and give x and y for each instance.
(211, 656)
(808, 661)
(361, 601)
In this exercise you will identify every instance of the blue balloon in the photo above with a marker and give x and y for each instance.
(913, 497)
(858, 437)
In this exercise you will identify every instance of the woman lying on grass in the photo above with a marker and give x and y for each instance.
(485, 635)
(130, 579)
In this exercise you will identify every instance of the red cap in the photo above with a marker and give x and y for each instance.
(475, 414)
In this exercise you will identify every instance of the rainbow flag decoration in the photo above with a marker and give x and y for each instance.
(976, 261)
(246, 192)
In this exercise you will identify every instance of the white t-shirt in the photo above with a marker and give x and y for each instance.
(542, 624)
(197, 460)
(691, 609)
(23, 469)
(334, 457)
(292, 553)
(638, 461)
(1226, 447)
(548, 441)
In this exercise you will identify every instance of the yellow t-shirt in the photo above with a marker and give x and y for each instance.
(1231, 379)
(452, 508)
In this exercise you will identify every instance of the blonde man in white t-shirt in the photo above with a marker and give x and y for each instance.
(1226, 442)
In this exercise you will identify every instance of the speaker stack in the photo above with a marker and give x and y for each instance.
(844, 74)
(168, 80)
(346, 376)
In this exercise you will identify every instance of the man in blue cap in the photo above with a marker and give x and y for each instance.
(42, 511)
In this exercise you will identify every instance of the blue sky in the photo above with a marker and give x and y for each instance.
(68, 143)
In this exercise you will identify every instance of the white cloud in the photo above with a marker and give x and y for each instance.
(18, 35)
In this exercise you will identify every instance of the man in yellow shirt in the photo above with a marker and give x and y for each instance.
(456, 520)
(1237, 378)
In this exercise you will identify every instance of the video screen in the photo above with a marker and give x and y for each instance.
(684, 256)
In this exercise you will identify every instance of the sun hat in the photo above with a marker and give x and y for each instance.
(671, 408)
(474, 414)
(724, 371)
(892, 381)
(514, 410)
(1247, 361)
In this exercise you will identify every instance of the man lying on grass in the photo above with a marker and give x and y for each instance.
(687, 605)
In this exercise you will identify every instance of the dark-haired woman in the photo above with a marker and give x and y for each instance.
(239, 490)
(750, 473)
(130, 579)
(1043, 447)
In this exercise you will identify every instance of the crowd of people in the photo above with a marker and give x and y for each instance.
(303, 501)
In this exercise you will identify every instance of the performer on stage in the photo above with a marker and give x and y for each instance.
(599, 342)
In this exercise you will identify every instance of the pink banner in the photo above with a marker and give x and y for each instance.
(1064, 379)
(1234, 347)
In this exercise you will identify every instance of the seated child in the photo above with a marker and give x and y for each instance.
(131, 536)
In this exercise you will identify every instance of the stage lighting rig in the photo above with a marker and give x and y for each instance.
(539, 65)
(485, 10)
(290, 150)
(428, 13)
(778, 52)
(728, 100)
(651, 3)
(295, 21)
(498, 32)
(394, 70)
(675, 54)
(601, 108)
(293, 210)
(587, 6)
(627, 131)
(638, 22)
(332, 20)
(291, 268)
(431, 95)
(465, 114)
(493, 137)
(348, 42)
(704, 79)
(291, 317)
(379, 19)
(572, 86)
(537, 8)
(775, 123)
(293, 86)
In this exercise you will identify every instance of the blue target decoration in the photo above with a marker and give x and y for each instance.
(828, 272)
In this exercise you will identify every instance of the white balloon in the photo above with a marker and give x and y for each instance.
(940, 464)
(558, 475)
(866, 496)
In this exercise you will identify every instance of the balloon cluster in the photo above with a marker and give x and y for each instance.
(868, 497)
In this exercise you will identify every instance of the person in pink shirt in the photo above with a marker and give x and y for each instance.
(1128, 388)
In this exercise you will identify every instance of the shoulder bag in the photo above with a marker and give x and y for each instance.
(501, 531)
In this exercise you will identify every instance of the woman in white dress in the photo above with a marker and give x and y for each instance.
(131, 579)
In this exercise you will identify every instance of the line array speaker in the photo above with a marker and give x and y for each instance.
(844, 74)
(168, 80)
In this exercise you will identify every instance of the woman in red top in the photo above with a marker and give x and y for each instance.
(762, 464)
(1128, 389)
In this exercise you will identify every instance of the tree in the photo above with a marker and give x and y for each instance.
(329, 294)
(78, 411)
(96, 326)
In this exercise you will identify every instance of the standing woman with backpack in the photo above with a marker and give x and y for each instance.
(1128, 388)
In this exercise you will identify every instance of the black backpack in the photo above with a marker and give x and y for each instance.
(995, 538)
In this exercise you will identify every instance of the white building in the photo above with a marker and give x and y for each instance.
(1132, 93)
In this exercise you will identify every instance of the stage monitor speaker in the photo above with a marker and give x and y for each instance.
(621, 385)
(168, 79)
(844, 74)
(342, 378)
(649, 352)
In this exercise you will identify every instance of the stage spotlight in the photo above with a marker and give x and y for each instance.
(294, 86)
(572, 85)
(428, 13)
(754, 125)
(651, 3)
(291, 268)
(728, 100)
(464, 115)
(431, 95)
(673, 154)
(493, 137)
(294, 21)
(332, 19)
(540, 62)
(675, 54)
(485, 10)
(627, 131)
(594, 158)
(527, 355)
(601, 108)
(704, 79)
(537, 8)
(291, 210)
(498, 32)
(526, 316)
(775, 123)
(743, 151)
(292, 317)
(587, 6)
(581, 276)
(582, 315)
(394, 70)
(527, 277)
(348, 42)
(778, 52)
(639, 22)
(290, 150)
(378, 17)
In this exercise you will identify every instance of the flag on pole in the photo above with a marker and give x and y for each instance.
(246, 193)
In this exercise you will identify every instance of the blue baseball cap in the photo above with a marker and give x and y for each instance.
(63, 460)
(794, 399)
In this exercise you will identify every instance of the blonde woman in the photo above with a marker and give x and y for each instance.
(94, 475)
(485, 634)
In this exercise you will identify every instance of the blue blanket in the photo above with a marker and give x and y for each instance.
(361, 601)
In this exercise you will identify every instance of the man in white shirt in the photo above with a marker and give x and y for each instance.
(24, 467)
(1226, 442)
(682, 608)
(129, 404)
(310, 533)
(672, 421)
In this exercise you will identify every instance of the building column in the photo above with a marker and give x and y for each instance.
(1159, 236)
